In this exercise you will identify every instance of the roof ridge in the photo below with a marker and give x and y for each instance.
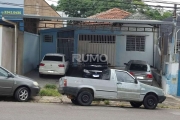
(108, 11)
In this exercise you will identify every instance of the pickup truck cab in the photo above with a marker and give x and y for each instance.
(116, 85)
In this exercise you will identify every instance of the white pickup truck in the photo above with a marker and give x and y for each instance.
(116, 85)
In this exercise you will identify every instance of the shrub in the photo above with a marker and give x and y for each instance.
(106, 102)
(49, 86)
(49, 92)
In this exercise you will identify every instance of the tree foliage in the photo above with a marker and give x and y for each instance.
(85, 8)
(53, 7)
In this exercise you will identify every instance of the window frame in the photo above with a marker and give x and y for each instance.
(50, 38)
(4, 71)
(133, 45)
(109, 74)
(127, 74)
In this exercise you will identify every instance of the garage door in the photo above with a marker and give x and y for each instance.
(101, 44)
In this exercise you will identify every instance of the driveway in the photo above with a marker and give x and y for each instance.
(49, 79)
(74, 72)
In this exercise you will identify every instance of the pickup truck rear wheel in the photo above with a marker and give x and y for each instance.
(136, 104)
(74, 101)
(85, 98)
(150, 102)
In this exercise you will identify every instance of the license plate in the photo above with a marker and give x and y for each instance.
(139, 77)
(95, 75)
(50, 71)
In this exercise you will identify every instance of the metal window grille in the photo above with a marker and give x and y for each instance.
(98, 38)
(178, 44)
(48, 38)
(135, 43)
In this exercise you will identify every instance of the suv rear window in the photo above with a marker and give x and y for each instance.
(138, 67)
(53, 58)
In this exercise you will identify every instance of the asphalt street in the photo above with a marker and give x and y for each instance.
(39, 111)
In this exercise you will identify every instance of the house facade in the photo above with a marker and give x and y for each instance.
(120, 43)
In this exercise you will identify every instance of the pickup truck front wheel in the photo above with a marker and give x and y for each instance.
(85, 98)
(150, 102)
(136, 104)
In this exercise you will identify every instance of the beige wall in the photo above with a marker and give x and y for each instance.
(42, 8)
(7, 56)
(20, 48)
(37, 8)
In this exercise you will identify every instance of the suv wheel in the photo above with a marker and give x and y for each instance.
(150, 102)
(85, 98)
(22, 94)
(136, 104)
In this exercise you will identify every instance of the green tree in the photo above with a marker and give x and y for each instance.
(85, 8)
(53, 7)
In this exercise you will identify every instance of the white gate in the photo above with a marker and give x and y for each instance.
(100, 44)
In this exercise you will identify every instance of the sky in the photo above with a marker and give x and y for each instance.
(171, 1)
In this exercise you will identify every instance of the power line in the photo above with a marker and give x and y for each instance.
(137, 5)
(164, 2)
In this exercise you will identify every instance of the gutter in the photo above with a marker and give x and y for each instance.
(15, 42)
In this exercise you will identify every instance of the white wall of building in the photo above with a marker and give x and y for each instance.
(124, 56)
(30, 52)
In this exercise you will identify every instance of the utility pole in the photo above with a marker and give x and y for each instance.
(174, 41)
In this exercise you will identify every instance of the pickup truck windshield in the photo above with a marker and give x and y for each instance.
(106, 74)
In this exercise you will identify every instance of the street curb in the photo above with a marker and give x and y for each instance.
(64, 100)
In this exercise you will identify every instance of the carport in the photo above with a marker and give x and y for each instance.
(90, 24)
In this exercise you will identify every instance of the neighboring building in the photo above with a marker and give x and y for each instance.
(171, 59)
(121, 42)
(28, 44)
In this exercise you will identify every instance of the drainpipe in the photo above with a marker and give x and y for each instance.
(15, 40)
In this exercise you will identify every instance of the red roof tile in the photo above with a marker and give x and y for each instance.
(114, 13)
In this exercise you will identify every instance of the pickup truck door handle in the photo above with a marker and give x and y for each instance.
(119, 83)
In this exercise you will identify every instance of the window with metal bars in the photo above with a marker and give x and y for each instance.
(48, 38)
(98, 38)
(135, 43)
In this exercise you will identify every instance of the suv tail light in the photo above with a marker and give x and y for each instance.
(65, 83)
(41, 64)
(132, 73)
(61, 65)
(149, 76)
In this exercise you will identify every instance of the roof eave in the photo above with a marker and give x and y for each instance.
(127, 21)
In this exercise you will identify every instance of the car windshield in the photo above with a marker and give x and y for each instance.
(138, 67)
(53, 58)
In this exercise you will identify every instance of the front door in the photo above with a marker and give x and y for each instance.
(6, 84)
(126, 87)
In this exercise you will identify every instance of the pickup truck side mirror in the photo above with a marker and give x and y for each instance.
(10, 75)
(135, 81)
(125, 64)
